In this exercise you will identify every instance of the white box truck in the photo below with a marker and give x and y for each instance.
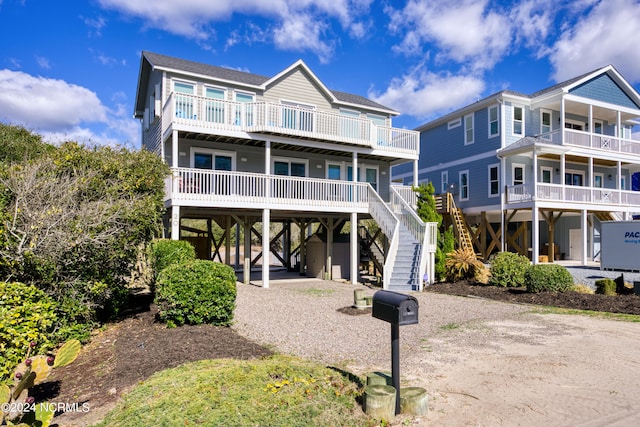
(620, 245)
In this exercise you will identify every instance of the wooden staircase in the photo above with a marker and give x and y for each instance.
(446, 205)
(604, 216)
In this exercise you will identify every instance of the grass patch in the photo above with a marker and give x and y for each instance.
(277, 391)
(598, 314)
(318, 292)
(450, 326)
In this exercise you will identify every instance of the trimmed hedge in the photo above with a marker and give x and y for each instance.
(27, 315)
(606, 287)
(508, 269)
(196, 292)
(165, 252)
(548, 277)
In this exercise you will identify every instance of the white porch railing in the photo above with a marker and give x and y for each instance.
(408, 194)
(571, 193)
(592, 140)
(188, 185)
(390, 226)
(208, 114)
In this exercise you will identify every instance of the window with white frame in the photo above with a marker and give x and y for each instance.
(244, 108)
(574, 177)
(334, 171)
(215, 105)
(546, 175)
(468, 129)
(598, 180)
(454, 123)
(184, 99)
(494, 180)
(494, 122)
(518, 120)
(349, 123)
(290, 167)
(598, 126)
(464, 185)
(545, 123)
(444, 182)
(518, 174)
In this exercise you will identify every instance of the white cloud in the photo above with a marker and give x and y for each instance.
(298, 25)
(43, 62)
(424, 95)
(61, 111)
(608, 34)
(464, 31)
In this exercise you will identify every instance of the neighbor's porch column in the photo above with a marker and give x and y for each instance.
(535, 235)
(562, 168)
(175, 222)
(354, 248)
(584, 228)
(535, 175)
(266, 218)
(246, 276)
(329, 254)
(174, 149)
(415, 173)
(503, 200)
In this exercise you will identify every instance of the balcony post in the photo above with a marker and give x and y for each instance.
(354, 248)
(246, 276)
(535, 174)
(535, 235)
(583, 255)
(266, 251)
(175, 222)
(590, 126)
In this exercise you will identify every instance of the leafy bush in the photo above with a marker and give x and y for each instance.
(508, 269)
(165, 252)
(606, 287)
(548, 277)
(26, 315)
(463, 264)
(72, 220)
(196, 292)
(583, 289)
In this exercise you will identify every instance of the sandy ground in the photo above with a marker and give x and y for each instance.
(483, 363)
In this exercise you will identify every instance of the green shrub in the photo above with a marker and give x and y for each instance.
(196, 292)
(508, 269)
(165, 252)
(26, 315)
(548, 277)
(606, 287)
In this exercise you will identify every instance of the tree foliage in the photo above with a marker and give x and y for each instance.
(73, 220)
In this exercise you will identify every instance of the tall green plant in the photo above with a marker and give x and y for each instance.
(427, 211)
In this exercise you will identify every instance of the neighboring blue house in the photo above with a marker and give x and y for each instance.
(547, 167)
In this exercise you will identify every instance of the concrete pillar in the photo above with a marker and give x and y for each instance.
(584, 228)
(227, 236)
(328, 263)
(247, 251)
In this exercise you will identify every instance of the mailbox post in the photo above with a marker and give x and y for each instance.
(397, 309)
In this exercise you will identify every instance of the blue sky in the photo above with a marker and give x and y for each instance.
(68, 70)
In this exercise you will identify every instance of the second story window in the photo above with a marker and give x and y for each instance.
(444, 182)
(215, 106)
(297, 116)
(494, 181)
(468, 129)
(518, 121)
(545, 122)
(518, 174)
(244, 108)
(350, 123)
(494, 123)
(464, 185)
(184, 99)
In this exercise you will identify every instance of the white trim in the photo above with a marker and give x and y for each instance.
(213, 153)
(574, 172)
(449, 165)
(544, 169)
(574, 122)
(513, 173)
(497, 107)
(601, 175)
(542, 111)
(464, 172)
(290, 160)
(444, 179)
(243, 92)
(454, 123)
(472, 129)
(334, 163)
(513, 120)
(489, 181)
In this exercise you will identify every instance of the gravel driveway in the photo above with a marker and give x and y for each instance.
(482, 362)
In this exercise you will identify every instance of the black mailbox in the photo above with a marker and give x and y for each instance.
(395, 308)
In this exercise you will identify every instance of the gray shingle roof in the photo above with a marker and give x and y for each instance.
(228, 74)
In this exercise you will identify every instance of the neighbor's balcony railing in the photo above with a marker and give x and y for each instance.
(201, 187)
(208, 114)
(570, 193)
(591, 140)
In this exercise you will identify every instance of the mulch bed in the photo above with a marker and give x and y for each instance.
(627, 304)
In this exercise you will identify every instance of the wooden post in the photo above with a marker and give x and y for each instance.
(414, 401)
(380, 402)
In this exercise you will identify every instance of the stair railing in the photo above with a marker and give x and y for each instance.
(425, 233)
(390, 226)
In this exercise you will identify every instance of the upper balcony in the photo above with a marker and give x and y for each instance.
(206, 115)
(597, 197)
(592, 141)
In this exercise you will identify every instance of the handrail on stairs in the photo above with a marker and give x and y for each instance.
(390, 226)
(425, 233)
